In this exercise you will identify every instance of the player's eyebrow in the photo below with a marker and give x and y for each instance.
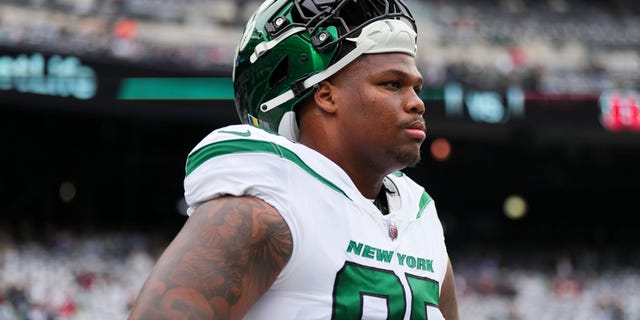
(401, 74)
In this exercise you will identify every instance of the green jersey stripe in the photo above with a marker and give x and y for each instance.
(245, 146)
(424, 201)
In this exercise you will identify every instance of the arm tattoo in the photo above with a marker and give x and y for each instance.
(226, 256)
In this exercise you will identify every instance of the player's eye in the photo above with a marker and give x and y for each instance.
(392, 84)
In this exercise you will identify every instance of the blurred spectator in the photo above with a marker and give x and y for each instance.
(608, 309)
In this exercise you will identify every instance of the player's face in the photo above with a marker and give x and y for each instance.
(381, 111)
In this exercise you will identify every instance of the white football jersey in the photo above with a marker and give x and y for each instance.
(349, 261)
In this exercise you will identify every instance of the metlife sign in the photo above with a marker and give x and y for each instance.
(47, 81)
(53, 76)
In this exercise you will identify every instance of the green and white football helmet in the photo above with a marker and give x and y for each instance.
(289, 46)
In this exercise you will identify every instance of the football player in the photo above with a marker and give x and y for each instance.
(302, 211)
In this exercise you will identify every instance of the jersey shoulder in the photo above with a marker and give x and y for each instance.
(237, 139)
(241, 132)
(237, 160)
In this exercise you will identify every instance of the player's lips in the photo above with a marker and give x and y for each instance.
(416, 129)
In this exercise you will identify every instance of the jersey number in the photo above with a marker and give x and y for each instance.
(355, 281)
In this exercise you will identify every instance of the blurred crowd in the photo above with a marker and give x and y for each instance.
(71, 275)
(547, 284)
(68, 275)
(552, 46)
(187, 34)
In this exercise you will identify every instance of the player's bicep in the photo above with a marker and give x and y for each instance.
(228, 253)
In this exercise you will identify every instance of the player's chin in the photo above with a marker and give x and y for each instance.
(408, 157)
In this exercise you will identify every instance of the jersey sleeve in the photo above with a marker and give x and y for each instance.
(238, 161)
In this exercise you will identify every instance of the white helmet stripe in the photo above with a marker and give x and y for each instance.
(263, 47)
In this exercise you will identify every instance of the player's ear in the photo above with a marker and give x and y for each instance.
(325, 96)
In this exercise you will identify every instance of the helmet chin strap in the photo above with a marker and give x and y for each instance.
(382, 36)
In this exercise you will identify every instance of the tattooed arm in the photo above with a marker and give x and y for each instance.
(226, 256)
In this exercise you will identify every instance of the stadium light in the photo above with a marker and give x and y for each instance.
(515, 207)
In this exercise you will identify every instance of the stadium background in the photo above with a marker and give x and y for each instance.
(100, 102)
